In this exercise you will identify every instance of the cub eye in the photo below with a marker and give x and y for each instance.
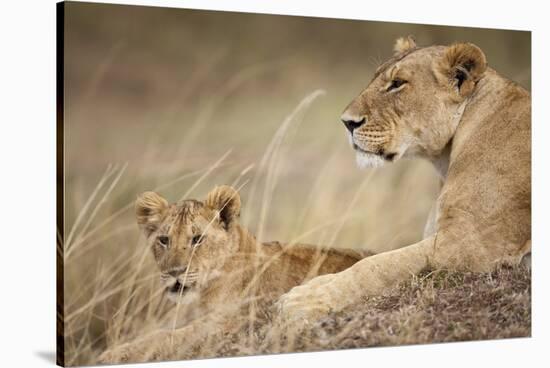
(396, 83)
(164, 240)
(196, 239)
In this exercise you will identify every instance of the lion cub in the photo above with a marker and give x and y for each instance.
(221, 277)
(208, 259)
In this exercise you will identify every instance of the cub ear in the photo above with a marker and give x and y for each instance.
(463, 64)
(150, 210)
(227, 202)
(403, 44)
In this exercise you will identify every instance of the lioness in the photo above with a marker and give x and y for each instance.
(209, 260)
(444, 104)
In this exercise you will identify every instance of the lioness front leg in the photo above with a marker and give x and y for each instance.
(306, 303)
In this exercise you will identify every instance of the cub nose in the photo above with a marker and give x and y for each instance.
(175, 272)
(352, 123)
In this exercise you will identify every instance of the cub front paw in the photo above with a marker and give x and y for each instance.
(115, 356)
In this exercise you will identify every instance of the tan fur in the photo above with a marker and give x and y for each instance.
(228, 267)
(403, 44)
(475, 127)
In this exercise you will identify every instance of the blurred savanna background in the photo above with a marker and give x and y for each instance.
(179, 101)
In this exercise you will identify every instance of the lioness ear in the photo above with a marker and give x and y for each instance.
(150, 209)
(463, 64)
(227, 202)
(403, 44)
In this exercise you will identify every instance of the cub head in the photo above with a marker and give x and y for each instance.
(413, 104)
(189, 239)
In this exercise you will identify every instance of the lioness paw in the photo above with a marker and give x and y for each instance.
(305, 304)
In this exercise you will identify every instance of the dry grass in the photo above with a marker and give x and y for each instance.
(121, 301)
(144, 113)
(433, 307)
(111, 281)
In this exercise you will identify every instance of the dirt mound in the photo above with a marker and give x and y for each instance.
(433, 307)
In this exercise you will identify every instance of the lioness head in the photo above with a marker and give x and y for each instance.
(189, 239)
(413, 104)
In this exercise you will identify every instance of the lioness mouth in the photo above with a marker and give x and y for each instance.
(388, 156)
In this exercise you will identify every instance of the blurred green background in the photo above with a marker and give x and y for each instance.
(168, 92)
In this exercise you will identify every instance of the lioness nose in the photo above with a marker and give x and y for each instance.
(352, 123)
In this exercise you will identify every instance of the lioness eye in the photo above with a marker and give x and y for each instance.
(196, 239)
(396, 83)
(164, 240)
